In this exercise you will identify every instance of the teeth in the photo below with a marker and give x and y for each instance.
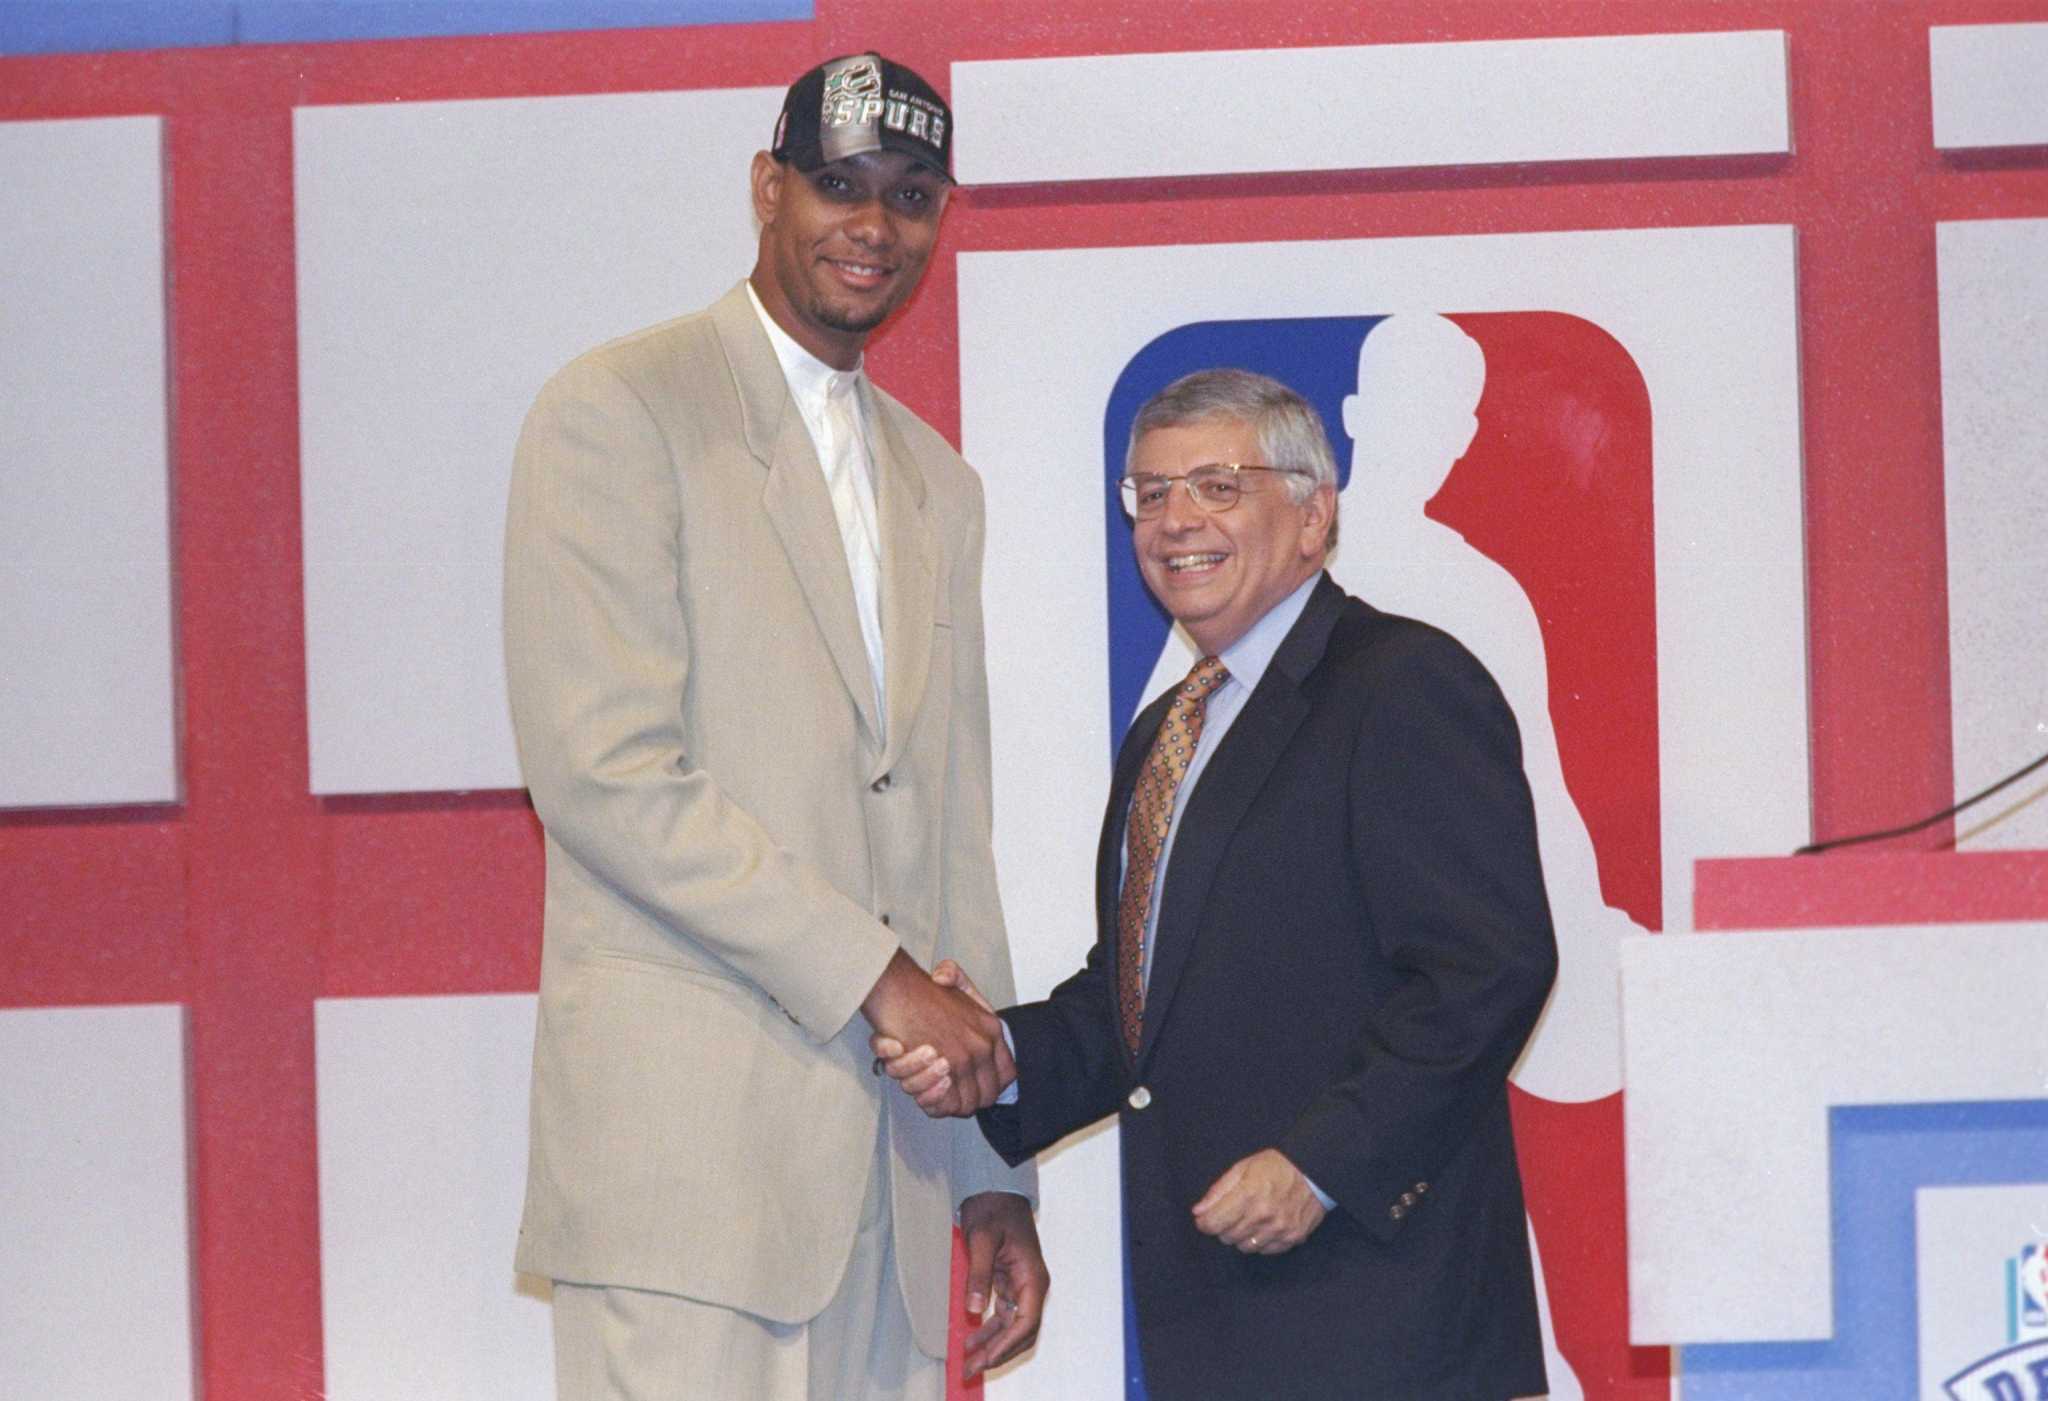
(1179, 562)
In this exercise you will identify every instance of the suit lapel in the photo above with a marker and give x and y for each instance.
(794, 495)
(1223, 796)
(909, 571)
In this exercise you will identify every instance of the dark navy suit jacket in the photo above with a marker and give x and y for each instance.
(1353, 944)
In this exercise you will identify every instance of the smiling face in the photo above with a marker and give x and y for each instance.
(1219, 574)
(843, 246)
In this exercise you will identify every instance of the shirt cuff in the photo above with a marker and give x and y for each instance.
(1329, 1202)
(1009, 1094)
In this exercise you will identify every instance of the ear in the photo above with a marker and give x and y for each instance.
(766, 181)
(1318, 512)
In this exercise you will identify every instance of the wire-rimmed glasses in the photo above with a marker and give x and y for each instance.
(1213, 486)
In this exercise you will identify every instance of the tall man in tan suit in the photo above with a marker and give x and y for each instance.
(744, 635)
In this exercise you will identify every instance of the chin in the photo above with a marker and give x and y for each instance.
(854, 322)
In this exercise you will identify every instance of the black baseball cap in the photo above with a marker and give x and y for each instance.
(858, 103)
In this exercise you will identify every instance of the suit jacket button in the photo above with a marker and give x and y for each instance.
(1397, 1211)
(1140, 1097)
(1421, 1188)
(880, 785)
(1407, 1199)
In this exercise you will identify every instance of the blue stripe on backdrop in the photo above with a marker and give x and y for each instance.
(1878, 1155)
(90, 26)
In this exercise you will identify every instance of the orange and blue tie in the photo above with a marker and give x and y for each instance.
(1145, 834)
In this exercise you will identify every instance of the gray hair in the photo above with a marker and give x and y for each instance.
(1289, 430)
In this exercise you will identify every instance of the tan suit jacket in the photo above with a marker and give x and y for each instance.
(736, 839)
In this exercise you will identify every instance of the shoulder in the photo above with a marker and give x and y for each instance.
(937, 458)
(649, 361)
(1377, 661)
(671, 383)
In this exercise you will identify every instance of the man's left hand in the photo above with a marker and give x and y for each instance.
(1261, 1205)
(1006, 1278)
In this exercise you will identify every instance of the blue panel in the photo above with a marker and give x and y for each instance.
(90, 26)
(279, 21)
(79, 26)
(1878, 1155)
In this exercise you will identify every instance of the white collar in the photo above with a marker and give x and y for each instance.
(810, 379)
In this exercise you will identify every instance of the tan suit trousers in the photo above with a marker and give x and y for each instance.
(636, 1345)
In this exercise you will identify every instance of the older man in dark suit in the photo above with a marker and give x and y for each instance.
(1323, 941)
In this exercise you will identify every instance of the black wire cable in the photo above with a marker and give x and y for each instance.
(1816, 848)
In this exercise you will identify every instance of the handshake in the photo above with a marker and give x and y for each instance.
(938, 1038)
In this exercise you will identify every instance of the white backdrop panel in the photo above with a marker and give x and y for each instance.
(1994, 429)
(451, 255)
(87, 709)
(422, 1126)
(1736, 1045)
(95, 1269)
(1987, 82)
(1708, 316)
(1123, 116)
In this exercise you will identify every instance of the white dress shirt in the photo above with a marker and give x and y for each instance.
(830, 403)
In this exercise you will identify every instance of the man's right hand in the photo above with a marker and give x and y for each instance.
(952, 1029)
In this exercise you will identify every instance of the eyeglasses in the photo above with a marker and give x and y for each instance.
(1214, 486)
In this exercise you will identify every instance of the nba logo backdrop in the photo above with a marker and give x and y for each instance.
(1536, 452)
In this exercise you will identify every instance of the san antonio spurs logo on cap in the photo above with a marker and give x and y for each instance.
(861, 101)
(851, 107)
(853, 93)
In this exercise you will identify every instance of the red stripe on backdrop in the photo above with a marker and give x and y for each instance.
(436, 893)
(1851, 887)
(255, 897)
(253, 841)
(94, 908)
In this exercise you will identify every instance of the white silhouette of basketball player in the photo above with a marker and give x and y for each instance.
(1413, 417)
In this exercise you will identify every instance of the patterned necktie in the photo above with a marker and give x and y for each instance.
(1145, 833)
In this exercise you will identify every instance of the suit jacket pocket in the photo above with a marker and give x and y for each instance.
(671, 968)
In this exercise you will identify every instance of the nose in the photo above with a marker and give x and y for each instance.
(868, 224)
(1181, 513)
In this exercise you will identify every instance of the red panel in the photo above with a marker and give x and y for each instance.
(1877, 552)
(958, 1327)
(254, 842)
(438, 894)
(1874, 887)
(1571, 1161)
(94, 909)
